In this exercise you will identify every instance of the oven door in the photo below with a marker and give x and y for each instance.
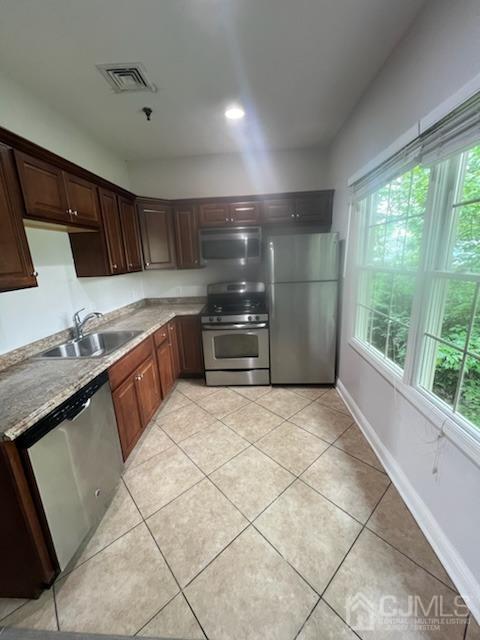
(235, 347)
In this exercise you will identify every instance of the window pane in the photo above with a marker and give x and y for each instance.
(465, 252)
(376, 245)
(469, 402)
(402, 297)
(447, 371)
(381, 292)
(471, 182)
(474, 344)
(457, 311)
(378, 329)
(413, 242)
(397, 343)
(395, 233)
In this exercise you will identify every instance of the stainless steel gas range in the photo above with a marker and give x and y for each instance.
(235, 338)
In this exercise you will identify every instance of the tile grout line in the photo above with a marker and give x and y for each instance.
(171, 572)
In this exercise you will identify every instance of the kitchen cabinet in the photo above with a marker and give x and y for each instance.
(165, 367)
(25, 558)
(127, 412)
(229, 213)
(148, 389)
(174, 348)
(245, 213)
(313, 207)
(214, 214)
(158, 240)
(130, 233)
(186, 237)
(190, 345)
(16, 267)
(55, 196)
(136, 392)
(114, 248)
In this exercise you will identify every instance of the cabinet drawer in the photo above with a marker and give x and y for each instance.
(245, 213)
(160, 335)
(127, 365)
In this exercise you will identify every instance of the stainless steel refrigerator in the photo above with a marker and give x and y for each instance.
(302, 279)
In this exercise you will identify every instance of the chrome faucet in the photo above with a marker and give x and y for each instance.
(79, 324)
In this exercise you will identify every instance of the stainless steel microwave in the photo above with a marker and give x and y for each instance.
(239, 245)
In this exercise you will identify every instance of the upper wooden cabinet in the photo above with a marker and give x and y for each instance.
(130, 233)
(16, 268)
(186, 237)
(219, 214)
(302, 207)
(112, 231)
(114, 248)
(82, 198)
(245, 213)
(54, 196)
(158, 240)
(214, 214)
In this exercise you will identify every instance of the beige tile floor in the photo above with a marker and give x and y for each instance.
(248, 513)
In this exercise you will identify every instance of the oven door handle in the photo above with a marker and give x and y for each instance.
(226, 327)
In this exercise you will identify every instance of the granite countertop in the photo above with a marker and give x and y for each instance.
(32, 388)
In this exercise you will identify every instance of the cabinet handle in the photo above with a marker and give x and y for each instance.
(147, 264)
(69, 212)
(138, 378)
(75, 212)
(226, 219)
(114, 266)
(292, 215)
(298, 215)
(130, 265)
(231, 219)
(35, 274)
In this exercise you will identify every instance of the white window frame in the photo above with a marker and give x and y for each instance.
(439, 204)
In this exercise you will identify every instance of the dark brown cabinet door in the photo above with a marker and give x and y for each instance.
(214, 214)
(158, 240)
(130, 232)
(186, 237)
(165, 368)
(127, 412)
(278, 210)
(112, 230)
(190, 345)
(315, 208)
(82, 200)
(148, 389)
(43, 189)
(245, 213)
(16, 268)
(174, 349)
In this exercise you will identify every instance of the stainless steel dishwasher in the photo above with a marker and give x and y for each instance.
(76, 461)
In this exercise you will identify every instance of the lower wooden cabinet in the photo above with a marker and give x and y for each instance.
(174, 349)
(148, 389)
(127, 411)
(135, 392)
(190, 345)
(165, 367)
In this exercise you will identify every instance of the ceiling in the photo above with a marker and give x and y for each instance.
(297, 66)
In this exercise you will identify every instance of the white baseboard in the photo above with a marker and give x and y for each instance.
(460, 574)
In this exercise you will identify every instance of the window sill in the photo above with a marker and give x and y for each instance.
(457, 430)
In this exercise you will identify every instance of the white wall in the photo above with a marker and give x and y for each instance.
(439, 55)
(31, 314)
(231, 174)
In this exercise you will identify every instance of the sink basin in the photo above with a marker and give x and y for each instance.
(94, 345)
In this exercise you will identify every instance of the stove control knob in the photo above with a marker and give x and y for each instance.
(211, 319)
(257, 318)
(219, 319)
(249, 318)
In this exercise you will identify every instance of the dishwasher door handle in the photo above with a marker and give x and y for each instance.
(83, 407)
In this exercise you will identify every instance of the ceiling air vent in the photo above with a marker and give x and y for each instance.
(126, 77)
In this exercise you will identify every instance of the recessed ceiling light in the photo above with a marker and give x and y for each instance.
(235, 112)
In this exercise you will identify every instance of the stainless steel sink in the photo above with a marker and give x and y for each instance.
(94, 345)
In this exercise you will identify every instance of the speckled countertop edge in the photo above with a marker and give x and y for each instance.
(79, 376)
